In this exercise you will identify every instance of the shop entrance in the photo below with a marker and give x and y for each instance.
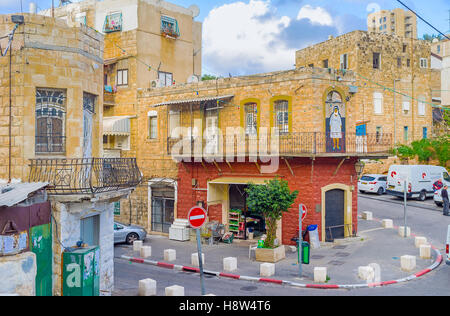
(242, 222)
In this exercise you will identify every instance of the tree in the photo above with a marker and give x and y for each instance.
(430, 38)
(425, 149)
(208, 77)
(270, 200)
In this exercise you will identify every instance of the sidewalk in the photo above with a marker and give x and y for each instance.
(374, 244)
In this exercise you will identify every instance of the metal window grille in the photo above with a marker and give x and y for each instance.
(169, 26)
(251, 115)
(282, 116)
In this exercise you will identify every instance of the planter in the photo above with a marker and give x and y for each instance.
(270, 255)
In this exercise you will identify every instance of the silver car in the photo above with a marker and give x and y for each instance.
(128, 233)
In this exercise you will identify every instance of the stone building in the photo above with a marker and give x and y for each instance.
(382, 64)
(395, 22)
(51, 130)
(182, 153)
(445, 74)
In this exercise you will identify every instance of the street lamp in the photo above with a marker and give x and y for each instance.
(359, 168)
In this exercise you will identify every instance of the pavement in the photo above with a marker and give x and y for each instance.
(374, 244)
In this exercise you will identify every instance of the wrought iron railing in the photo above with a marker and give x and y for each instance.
(85, 175)
(293, 144)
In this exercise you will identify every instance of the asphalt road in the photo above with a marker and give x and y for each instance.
(423, 217)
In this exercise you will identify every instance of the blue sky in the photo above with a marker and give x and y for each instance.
(253, 36)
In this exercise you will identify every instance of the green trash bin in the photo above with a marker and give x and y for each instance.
(305, 252)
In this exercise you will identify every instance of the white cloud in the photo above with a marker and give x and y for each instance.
(316, 15)
(243, 38)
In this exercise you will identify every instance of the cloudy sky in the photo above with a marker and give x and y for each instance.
(254, 36)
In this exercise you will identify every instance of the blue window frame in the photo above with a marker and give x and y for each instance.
(425, 133)
(169, 26)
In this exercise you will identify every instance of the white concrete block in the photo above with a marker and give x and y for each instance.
(387, 223)
(194, 259)
(267, 269)
(367, 216)
(420, 241)
(425, 251)
(147, 287)
(146, 251)
(401, 231)
(170, 255)
(408, 263)
(320, 274)
(230, 264)
(137, 244)
(174, 290)
(366, 273)
(293, 248)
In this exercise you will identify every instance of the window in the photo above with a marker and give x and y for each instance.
(122, 77)
(165, 79)
(421, 107)
(113, 22)
(384, 19)
(311, 65)
(379, 133)
(378, 103)
(89, 230)
(405, 133)
(325, 63)
(251, 117)
(425, 133)
(408, 62)
(81, 18)
(169, 26)
(50, 121)
(438, 48)
(404, 48)
(376, 60)
(152, 124)
(281, 112)
(399, 62)
(174, 124)
(105, 139)
(382, 179)
(445, 176)
(105, 79)
(406, 105)
(423, 63)
(344, 61)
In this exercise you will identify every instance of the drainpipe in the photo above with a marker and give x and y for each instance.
(10, 114)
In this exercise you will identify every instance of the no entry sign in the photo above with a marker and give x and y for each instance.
(197, 217)
(304, 211)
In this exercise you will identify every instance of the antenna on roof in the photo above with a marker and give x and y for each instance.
(64, 2)
(195, 10)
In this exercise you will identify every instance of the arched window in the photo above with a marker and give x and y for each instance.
(251, 118)
(281, 116)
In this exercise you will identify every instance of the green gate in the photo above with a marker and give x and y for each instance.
(41, 245)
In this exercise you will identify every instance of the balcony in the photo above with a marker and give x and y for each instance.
(76, 176)
(109, 99)
(308, 144)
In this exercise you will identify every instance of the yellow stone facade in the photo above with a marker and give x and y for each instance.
(46, 53)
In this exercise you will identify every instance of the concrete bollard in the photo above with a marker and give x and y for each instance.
(137, 244)
(170, 255)
(387, 223)
(230, 264)
(320, 274)
(401, 231)
(366, 273)
(408, 263)
(267, 269)
(367, 216)
(146, 251)
(425, 251)
(194, 259)
(292, 248)
(420, 241)
(174, 290)
(147, 287)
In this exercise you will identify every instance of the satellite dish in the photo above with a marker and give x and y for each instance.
(195, 10)
(192, 79)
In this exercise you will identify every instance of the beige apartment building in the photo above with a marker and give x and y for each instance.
(398, 21)
(148, 43)
(382, 64)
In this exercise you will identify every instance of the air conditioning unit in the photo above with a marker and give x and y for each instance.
(155, 84)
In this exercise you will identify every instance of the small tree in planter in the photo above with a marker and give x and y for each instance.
(270, 200)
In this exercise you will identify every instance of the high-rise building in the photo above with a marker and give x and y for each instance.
(395, 22)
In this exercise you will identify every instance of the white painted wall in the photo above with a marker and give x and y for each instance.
(445, 75)
(18, 274)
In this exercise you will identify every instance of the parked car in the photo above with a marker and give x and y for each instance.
(375, 183)
(437, 194)
(420, 179)
(128, 233)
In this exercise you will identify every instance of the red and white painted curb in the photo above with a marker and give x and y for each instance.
(436, 263)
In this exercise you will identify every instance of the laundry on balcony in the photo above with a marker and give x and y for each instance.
(169, 27)
(113, 23)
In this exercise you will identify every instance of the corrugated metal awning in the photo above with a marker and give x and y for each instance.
(223, 97)
(14, 193)
(116, 125)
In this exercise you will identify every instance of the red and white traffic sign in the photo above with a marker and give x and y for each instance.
(304, 211)
(197, 217)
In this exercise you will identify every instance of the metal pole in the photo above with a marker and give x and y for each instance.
(300, 240)
(200, 263)
(404, 199)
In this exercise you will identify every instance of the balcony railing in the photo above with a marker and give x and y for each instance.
(290, 145)
(85, 175)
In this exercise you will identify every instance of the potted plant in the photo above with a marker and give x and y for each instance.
(271, 201)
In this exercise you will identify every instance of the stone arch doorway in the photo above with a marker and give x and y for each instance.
(336, 212)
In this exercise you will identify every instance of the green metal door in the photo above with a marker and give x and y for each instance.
(80, 272)
(41, 245)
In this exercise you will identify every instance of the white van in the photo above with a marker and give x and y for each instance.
(420, 180)
(437, 195)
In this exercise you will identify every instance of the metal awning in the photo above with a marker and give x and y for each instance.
(186, 101)
(12, 194)
(240, 180)
(116, 125)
